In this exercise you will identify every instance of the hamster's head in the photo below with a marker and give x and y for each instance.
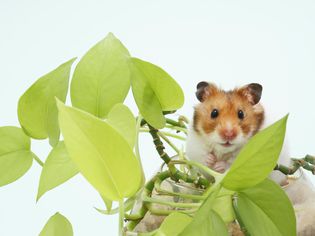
(227, 119)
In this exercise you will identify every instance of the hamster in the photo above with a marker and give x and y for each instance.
(222, 124)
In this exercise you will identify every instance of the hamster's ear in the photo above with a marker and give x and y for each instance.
(252, 92)
(204, 90)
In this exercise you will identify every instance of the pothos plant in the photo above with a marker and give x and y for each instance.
(101, 142)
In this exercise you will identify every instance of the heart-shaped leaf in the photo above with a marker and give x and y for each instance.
(57, 225)
(266, 210)
(122, 119)
(154, 91)
(58, 168)
(101, 154)
(257, 158)
(101, 78)
(173, 224)
(37, 109)
(15, 155)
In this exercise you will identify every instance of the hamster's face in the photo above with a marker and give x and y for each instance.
(227, 119)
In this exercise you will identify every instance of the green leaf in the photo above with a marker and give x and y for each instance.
(37, 109)
(57, 225)
(257, 158)
(128, 205)
(15, 155)
(154, 91)
(108, 204)
(223, 206)
(101, 78)
(173, 224)
(166, 89)
(101, 154)
(266, 210)
(206, 221)
(122, 119)
(58, 168)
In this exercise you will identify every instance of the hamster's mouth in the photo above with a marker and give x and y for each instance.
(226, 144)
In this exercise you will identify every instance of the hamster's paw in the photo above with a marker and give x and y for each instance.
(211, 160)
(220, 166)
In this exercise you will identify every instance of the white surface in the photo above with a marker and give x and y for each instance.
(226, 42)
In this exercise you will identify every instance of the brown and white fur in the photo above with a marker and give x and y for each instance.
(216, 142)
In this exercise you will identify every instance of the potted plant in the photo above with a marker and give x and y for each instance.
(100, 141)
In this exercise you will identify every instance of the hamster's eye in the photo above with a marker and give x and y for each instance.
(214, 113)
(240, 114)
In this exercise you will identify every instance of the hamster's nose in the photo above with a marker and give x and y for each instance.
(229, 134)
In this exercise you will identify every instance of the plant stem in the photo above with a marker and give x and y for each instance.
(158, 144)
(169, 142)
(198, 165)
(307, 166)
(131, 225)
(166, 134)
(137, 138)
(238, 217)
(39, 161)
(137, 216)
(158, 189)
(137, 151)
(172, 204)
(173, 135)
(184, 119)
(184, 130)
(121, 216)
(310, 159)
(306, 163)
(199, 181)
(161, 212)
(175, 174)
(147, 191)
(286, 170)
(181, 157)
(175, 123)
(181, 195)
(127, 205)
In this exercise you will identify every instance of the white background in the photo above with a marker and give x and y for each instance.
(227, 42)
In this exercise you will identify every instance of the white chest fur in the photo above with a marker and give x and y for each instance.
(198, 148)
